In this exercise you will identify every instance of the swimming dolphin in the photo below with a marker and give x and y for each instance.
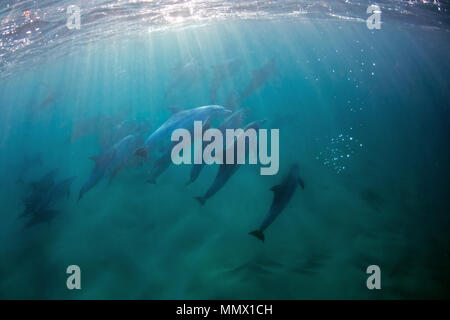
(282, 195)
(182, 119)
(111, 162)
(42, 210)
(184, 75)
(43, 216)
(112, 135)
(47, 181)
(38, 189)
(259, 78)
(226, 171)
(95, 124)
(234, 121)
(159, 167)
(221, 73)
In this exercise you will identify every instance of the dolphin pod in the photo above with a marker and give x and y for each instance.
(123, 145)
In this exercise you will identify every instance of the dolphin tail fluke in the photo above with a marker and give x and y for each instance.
(202, 200)
(258, 234)
(141, 152)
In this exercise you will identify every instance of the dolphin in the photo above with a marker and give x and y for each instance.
(110, 136)
(45, 183)
(111, 162)
(226, 171)
(259, 78)
(221, 73)
(38, 189)
(234, 121)
(41, 211)
(48, 101)
(184, 75)
(43, 216)
(94, 124)
(159, 167)
(181, 119)
(282, 195)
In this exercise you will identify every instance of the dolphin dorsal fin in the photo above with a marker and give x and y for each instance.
(275, 188)
(173, 110)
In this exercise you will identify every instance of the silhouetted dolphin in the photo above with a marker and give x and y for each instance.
(37, 190)
(226, 171)
(42, 216)
(282, 195)
(184, 75)
(43, 212)
(182, 119)
(110, 163)
(111, 135)
(95, 124)
(259, 78)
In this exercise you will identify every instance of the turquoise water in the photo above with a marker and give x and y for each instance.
(364, 113)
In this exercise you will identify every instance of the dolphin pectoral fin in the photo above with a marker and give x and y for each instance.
(301, 183)
(141, 152)
(202, 200)
(258, 234)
